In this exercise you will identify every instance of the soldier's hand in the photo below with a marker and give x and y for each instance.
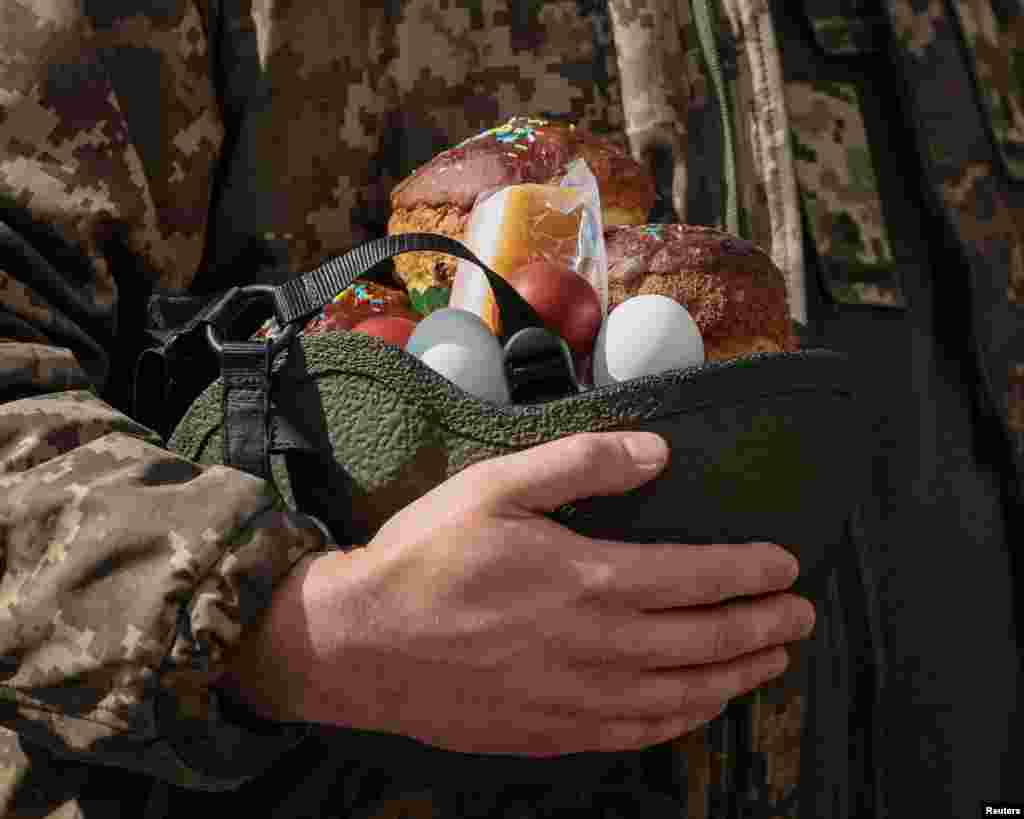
(475, 623)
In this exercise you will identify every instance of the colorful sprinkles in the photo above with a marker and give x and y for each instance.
(361, 294)
(513, 132)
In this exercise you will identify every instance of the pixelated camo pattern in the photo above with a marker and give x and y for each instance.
(765, 168)
(768, 723)
(114, 131)
(847, 27)
(113, 135)
(655, 93)
(839, 192)
(996, 44)
(353, 97)
(986, 211)
(746, 54)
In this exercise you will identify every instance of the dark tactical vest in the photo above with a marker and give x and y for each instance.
(904, 124)
(867, 239)
(959, 82)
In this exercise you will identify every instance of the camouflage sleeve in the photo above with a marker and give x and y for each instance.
(129, 575)
(126, 574)
(655, 92)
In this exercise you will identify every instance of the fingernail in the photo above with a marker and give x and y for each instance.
(780, 662)
(792, 569)
(808, 620)
(648, 451)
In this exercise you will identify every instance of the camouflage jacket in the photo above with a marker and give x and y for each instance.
(177, 146)
(180, 145)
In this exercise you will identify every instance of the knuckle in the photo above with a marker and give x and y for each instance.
(778, 563)
(728, 638)
(779, 662)
(719, 585)
(795, 618)
(809, 617)
(696, 700)
(772, 665)
(481, 474)
(589, 449)
(595, 578)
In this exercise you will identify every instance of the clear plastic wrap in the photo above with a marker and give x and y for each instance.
(518, 225)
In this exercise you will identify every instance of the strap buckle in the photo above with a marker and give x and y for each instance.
(234, 300)
(539, 367)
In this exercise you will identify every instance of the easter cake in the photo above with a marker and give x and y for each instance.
(730, 286)
(439, 196)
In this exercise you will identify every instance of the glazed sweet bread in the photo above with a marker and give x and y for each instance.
(729, 285)
(439, 196)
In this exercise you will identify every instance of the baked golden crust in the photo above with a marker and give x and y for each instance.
(422, 270)
(619, 217)
(439, 196)
(731, 287)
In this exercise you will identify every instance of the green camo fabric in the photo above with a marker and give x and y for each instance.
(399, 429)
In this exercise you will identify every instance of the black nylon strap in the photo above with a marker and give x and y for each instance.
(301, 297)
(170, 375)
(249, 435)
(297, 422)
(246, 372)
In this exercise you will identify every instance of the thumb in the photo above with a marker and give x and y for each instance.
(542, 478)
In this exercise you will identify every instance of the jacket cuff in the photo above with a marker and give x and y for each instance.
(129, 577)
(220, 743)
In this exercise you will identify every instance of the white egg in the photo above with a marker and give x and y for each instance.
(459, 346)
(645, 335)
